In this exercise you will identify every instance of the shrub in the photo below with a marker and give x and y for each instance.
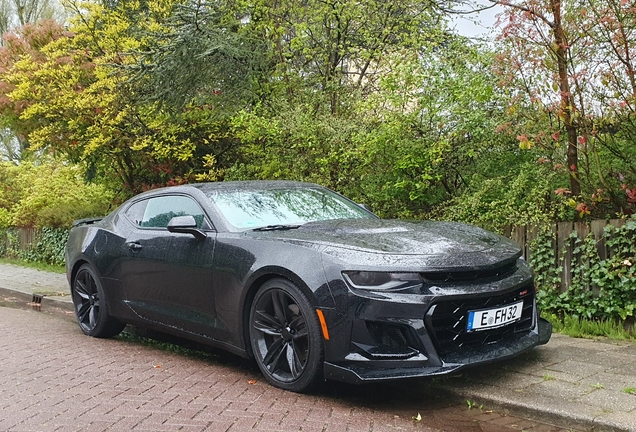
(50, 194)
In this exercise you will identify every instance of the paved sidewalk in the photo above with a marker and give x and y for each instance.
(24, 282)
(577, 384)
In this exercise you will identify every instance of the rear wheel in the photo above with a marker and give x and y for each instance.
(285, 336)
(90, 305)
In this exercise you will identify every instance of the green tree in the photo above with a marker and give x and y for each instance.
(405, 148)
(337, 49)
(25, 43)
(67, 97)
(199, 58)
(567, 65)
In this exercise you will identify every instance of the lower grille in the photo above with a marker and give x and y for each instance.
(447, 321)
(383, 341)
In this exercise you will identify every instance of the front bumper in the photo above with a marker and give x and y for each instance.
(392, 335)
(361, 371)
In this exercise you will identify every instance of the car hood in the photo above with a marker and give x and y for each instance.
(396, 237)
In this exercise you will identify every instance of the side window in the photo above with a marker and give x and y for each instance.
(160, 210)
(136, 212)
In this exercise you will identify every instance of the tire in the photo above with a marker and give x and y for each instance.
(285, 336)
(91, 307)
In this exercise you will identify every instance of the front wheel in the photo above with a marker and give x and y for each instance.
(90, 305)
(285, 336)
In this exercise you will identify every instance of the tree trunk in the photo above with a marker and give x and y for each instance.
(567, 101)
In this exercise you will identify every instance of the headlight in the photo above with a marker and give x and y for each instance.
(382, 281)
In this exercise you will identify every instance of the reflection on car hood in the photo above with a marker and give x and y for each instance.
(396, 237)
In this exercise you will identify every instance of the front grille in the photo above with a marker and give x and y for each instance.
(468, 275)
(447, 321)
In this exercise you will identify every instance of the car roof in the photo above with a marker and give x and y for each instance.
(251, 185)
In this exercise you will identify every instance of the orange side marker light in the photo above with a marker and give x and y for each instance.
(323, 324)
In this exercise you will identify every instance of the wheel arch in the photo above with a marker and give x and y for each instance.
(81, 261)
(76, 266)
(93, 303)
(257, 281)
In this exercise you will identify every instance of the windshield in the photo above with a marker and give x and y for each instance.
(249, 209)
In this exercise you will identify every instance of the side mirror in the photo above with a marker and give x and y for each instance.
(185, 225)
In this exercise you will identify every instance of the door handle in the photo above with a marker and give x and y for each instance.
(134, 246)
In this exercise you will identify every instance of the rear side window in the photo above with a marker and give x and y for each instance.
(136, 212)
(157, 212)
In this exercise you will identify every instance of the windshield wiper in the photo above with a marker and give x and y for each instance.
(276, 228)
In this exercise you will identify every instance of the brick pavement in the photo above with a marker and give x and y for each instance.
(53, 378)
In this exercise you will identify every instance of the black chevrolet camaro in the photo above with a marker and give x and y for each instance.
(308, 283)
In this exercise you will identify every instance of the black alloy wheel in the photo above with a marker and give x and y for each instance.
(90, 305)
(285, 336)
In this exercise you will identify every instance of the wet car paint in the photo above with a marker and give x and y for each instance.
(202, 288)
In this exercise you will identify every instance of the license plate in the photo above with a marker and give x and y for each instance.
(490, 318)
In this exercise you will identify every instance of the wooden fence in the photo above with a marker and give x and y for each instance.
(563, 243)
(27, 237)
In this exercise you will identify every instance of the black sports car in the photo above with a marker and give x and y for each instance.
(305, 281)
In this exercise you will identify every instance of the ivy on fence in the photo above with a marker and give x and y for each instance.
(601, 288)
(48, 246)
